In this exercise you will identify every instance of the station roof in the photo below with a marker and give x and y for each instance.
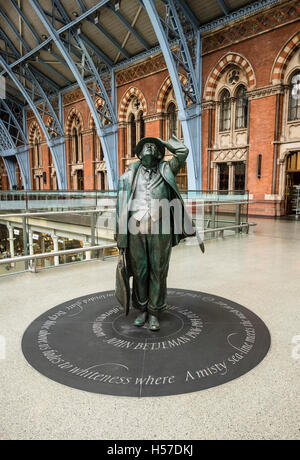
(116, 32)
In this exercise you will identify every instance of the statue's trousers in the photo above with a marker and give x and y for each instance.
(149, 260)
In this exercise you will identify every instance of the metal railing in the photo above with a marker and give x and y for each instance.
(34, 257)
(27, 237)
(64, 200)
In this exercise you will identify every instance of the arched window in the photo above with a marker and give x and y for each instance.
(99, 149)
(37, 154)
(225, 111)
(241, 113)
(75, 145)
(141, 123)
(294, 97)
(239, 182)
(132, 127)
(37, 151)
(76, 140)
(172, 120)
(101, 179)
(80, 180)
(223, 176)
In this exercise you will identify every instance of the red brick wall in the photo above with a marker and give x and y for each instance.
(261, 51)
(262, 128)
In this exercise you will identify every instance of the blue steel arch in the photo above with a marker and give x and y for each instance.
(8, 154)
(37, 94)
(188, 96)
(108, 134)
(11, 128)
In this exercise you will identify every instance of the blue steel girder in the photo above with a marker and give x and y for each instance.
(103, 31)
(173, 26)
(7, 152)
(6, 142)
(28, 73)
(61, 31)
(106, 115)
(9, 112)
(237, 14)
(131, 29)
(188, 97)
(36, 94)
(39, 41)
(37, 38)
(22, 156)
(223, 6)
(27, 48)
(189, 13)
(45, 79)
(10, 166)
(43, 109)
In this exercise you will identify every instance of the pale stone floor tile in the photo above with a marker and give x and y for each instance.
(260, 271)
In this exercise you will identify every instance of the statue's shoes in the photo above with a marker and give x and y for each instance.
(141, 319)
(153, 323)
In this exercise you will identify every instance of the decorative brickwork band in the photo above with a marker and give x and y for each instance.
(229, 59)
(143, 69)
(263, 21)
(283, 59)
(131, 93)
(73, 113)
(164, 90)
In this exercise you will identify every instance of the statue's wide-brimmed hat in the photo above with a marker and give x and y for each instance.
(150, 140)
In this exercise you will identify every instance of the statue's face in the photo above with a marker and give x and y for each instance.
(150, 155)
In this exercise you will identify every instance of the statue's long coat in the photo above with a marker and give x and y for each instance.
(168, 171)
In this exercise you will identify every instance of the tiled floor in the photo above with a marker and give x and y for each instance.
(260, 271)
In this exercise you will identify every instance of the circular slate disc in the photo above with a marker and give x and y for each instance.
(89, 344)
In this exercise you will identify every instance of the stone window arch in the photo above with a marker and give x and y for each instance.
(74, 131)
(167, 106)
(131, 117)
(239, 69)
(76, 141)
(286, 71)
(229, 153)
(35, 139)
(291, 104)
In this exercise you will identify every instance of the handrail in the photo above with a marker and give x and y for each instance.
(107, 192)
(51, 213)
(90, 211)
(230, 227)
(46, 255)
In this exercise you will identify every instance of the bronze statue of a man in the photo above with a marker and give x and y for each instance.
(144, 232)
